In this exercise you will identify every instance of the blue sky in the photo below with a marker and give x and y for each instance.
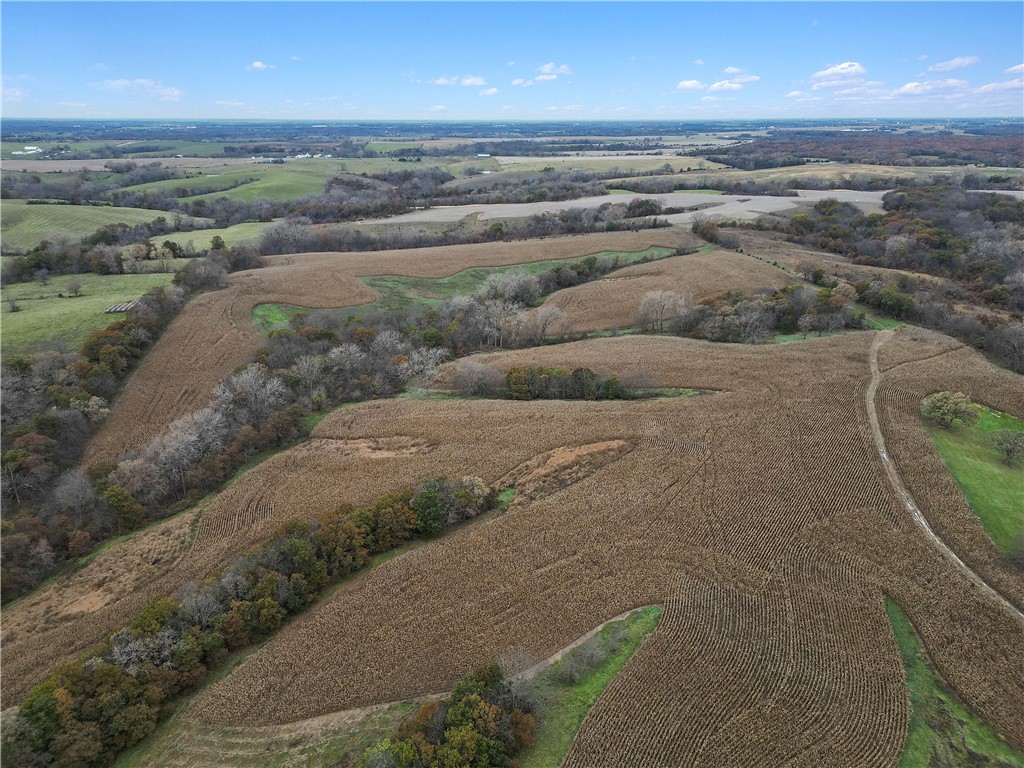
(493, 61)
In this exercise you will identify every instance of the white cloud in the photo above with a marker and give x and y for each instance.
(522, 82)
(473, 80)
(72, 104)
(958, 63)
(870, 87)
(545, 78)
(802, 96)
(445, 81)
(846, 69)
(143, 87)
(438, 108)
(724, 85)
(699, 62)
(915, 88)
(1017, 70)
(1009, 85)
(489, 92)
(510, 63)
(230, 103)
(690, 85)
(13, 94)
(746, 79)
(259, 66)
(732, 70)
(923, 57)
(554, 69)
(822, 85)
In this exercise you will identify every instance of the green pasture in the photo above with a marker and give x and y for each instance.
(23, 226)
(44, 317)
(201, 238)
(994, 489)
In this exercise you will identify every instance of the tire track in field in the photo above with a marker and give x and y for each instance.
(896, 480)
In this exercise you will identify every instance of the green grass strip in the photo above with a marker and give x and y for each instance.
(558, 725)
(942, 731)
(994, 489)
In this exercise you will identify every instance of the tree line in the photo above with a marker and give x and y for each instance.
(92, 709)
(53, 403)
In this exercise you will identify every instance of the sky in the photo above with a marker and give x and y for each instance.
(515, 61)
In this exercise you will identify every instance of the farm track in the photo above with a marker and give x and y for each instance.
(762, 518)
(896, 480)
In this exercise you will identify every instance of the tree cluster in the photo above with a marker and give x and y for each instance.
(92, 709)
(53, 402)
(738, 318)
(483, 723)
(793, 147)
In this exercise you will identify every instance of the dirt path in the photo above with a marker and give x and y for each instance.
(896, 481)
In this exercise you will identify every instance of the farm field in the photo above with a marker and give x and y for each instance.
(994, 490)
(341, 738)
(421, 293)
(701, 506)
(614, 301)
(24, 226)
(836, 172)
(45, 318)
(706, 554)
(726, 206)
(572, 701)
(167, 148)
(71, 166)
(201, 238)
(941, 728)
(215, 332)
(625, 163)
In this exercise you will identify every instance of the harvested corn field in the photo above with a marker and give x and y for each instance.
(614, 301)
(215, 332)
(759, 514)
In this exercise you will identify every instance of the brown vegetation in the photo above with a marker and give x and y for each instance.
(614, 301)
(760, 516)
(215, 332)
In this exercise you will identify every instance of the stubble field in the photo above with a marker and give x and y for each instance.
(215, 332)
(759, 516)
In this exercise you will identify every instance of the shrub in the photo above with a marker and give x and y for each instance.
(1010, 443)
(948, 408)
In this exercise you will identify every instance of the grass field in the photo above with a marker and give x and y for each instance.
(223, 179)
(296, 178)
(201, 238)
(570, 703)
(24, 226)
(942, 731)
(407, 293)
(623, 163)
(994, 490)
(44, 317)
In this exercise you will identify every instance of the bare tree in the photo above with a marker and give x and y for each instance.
(658, 306)
(548, 318)
(75, 286)
(251, 395)
(475, 379)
